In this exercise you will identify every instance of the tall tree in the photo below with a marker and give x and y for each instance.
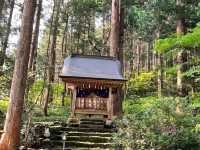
(160, 75)
(52, 57)
(116, 40)
(148, 48)
(160, 67)
(182, 55)
(121, 34)
(5, 43)
(34, 45)
(65, 37)
(10, 139)
(120, 50)
(115, 29)
(138, 52)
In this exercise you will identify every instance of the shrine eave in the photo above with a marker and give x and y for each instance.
(72, 79)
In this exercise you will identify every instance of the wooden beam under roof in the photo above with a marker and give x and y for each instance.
(82, 80)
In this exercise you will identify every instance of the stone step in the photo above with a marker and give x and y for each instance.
(74, 133)
(90, 134)
(92, 126)
(58, 129)
(95, 139)
(92, 122)
(76, 148)
(78, 144)
(73, 125)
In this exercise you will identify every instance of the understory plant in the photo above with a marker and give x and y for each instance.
(142, 84)
(154, 124)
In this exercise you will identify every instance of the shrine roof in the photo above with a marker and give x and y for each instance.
(92, 67)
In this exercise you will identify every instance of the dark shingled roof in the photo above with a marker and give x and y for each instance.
(95, 67)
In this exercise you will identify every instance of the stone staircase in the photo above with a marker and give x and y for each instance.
(89, 134)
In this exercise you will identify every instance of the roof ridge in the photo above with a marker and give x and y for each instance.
(94, 56)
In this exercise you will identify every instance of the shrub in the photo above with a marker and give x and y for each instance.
(142, 85)
(154, 124)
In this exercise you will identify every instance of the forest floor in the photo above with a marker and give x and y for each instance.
(145, 119)
(77, 136)
(56, 112)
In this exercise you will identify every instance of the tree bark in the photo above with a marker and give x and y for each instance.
(160, 68)
(52, 57)
(115, 29)
(121, 38)
(103, 31)
(154, 61)
(121, 55)
(160, 75)
(148, 56)
(11, 138)
(65, 38)
(116, 40)
(34, 45)
(182, 56)
(5, 43)
(138, 57)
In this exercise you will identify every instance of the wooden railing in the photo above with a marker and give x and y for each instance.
(92, 104)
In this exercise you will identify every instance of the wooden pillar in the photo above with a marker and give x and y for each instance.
(110, 104)
(118, 101)
(73, 103)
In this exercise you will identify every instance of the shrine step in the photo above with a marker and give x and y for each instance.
(90, 134)
(91, 123)
(73, 148)
(79, 144)
(80, 129)
(59, 135)
(95, 139)
(74, 138)
(92, 120)
(91, 126)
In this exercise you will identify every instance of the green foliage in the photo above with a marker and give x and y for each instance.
(193, 76)
(142, 85)
(4, 104)
(190, 40)
(141, 20)
(152, 123)
(3, 108)
(163, 45)
(55, 113)
(55, 109)
(195, 101)
(4, 84)
(134, 106)
(147, 17)
(38, 87)
(6, 77)
(172, 71)
(193, 72)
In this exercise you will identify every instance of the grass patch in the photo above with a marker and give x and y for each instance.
(133, 106)
(55, 113)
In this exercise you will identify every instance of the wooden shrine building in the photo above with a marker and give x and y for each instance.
(95, 83)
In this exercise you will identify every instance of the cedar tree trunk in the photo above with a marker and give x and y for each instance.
(11, 138)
